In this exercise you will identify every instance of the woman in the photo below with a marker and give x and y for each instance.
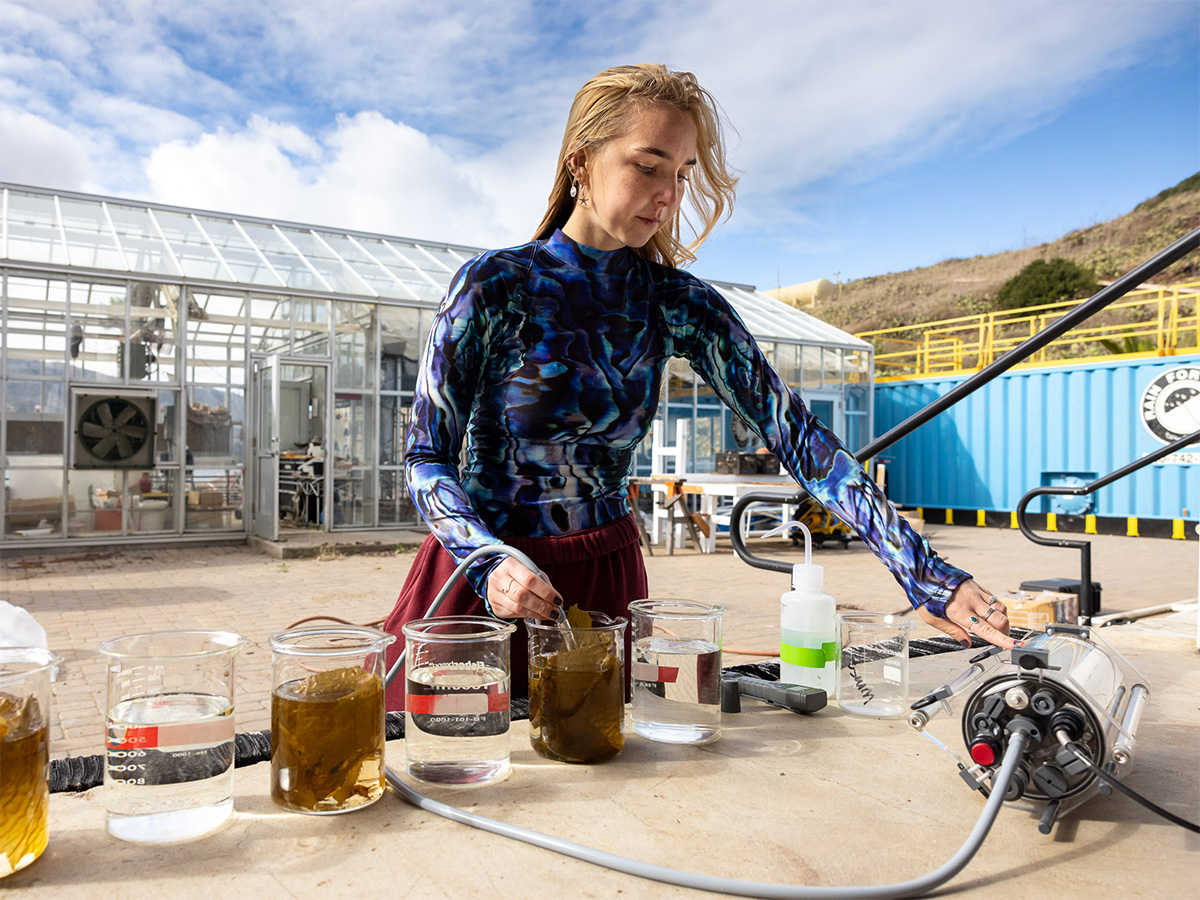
(547, 359)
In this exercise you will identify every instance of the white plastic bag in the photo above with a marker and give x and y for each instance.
(20, 629)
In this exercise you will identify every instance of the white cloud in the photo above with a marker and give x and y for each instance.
(37, 152)
(367, 173)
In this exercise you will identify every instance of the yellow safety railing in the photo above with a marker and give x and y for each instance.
(1160, 321)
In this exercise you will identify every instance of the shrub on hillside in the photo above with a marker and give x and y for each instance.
(1045, 281)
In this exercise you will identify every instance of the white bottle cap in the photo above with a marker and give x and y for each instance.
(807, 577)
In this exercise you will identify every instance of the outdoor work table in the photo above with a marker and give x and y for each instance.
(828, 799)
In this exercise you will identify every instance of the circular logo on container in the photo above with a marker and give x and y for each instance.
(1171, 404)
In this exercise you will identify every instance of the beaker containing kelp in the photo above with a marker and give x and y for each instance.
(577, 687)
(24, 754)
(327, 718)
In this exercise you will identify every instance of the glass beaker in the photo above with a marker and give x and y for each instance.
(874, 672)
(456, 704)
(327, 718)
(168, 761)
(676, 670)
(577, 689)
(24, 754)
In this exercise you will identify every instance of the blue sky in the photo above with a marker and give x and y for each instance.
(870, 136)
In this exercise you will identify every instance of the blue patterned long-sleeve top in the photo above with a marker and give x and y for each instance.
(548, 359)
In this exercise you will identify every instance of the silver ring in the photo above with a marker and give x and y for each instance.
(990, 610)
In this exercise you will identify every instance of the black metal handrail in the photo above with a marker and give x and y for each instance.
(1087, 604)
(1090, 307)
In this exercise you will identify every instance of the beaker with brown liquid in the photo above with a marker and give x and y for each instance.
(327, 719)
(24, 754)
(577, 687)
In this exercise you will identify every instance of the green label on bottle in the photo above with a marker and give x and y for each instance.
(809, 657)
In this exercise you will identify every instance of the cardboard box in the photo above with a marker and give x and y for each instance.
(1029, 610)
(106, 519)
(205, 499)
(29, 513)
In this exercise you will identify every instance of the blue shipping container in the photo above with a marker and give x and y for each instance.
(1060, 425)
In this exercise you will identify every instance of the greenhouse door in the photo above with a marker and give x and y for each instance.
(291, 433)
(266, 447)
(827, 407)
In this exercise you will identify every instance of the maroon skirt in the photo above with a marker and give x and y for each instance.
(598, 569)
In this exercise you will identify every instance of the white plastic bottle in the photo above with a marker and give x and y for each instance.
(809, 643)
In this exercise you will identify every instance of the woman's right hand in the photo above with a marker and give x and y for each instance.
(514, 591)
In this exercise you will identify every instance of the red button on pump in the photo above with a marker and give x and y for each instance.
(984, 751)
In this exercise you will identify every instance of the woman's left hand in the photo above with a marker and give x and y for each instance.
(973, 610)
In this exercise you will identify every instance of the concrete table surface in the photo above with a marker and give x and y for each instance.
(829, 799)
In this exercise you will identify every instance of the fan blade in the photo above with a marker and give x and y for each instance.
(127, 413)
(91, 429)
(103, 448)
(124, 448)
(104, 413)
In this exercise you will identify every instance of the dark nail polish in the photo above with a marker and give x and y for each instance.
(964, 643)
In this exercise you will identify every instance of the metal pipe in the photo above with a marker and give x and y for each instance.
(1122, 753)
(1087, 606)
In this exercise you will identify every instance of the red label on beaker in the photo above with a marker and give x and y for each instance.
(655, 674)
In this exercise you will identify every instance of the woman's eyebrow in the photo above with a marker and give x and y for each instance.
(662, 154)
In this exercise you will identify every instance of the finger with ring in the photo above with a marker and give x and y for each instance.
(509, 590)
(990, 610)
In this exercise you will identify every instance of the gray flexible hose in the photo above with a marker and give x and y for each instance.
(915, 887)
(489, 550)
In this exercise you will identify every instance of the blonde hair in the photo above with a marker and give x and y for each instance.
(601, 111)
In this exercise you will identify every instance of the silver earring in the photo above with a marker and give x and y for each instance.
(574, 188)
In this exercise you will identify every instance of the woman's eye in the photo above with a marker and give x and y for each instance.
(683, 177)
(648, 170)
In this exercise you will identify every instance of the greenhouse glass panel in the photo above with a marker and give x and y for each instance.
(287, 263)
(310, 326)
(90, 242)
(191, 247)
(448, 261)
(33, 293)
(394, 504)
(271, 324)
(811, 368)
(336, 272)
(144, 250)
(98, 331)
(787, 363)
(374, 274)
(832, 366)
(354, 328)
(402, 344)
(33, 234)
(241, 257)
(152, 347)
(402, 261)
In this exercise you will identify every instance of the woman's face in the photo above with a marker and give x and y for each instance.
(634, 183)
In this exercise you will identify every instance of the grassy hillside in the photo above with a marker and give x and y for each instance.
(958, 287)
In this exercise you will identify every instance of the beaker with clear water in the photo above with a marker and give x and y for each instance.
(456, 706)
(168, 761)
(327, 718)
(873, 680)
(676, 670)
(24, 754)
(577, 688)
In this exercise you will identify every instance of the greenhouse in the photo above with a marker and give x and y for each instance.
(172, 374)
